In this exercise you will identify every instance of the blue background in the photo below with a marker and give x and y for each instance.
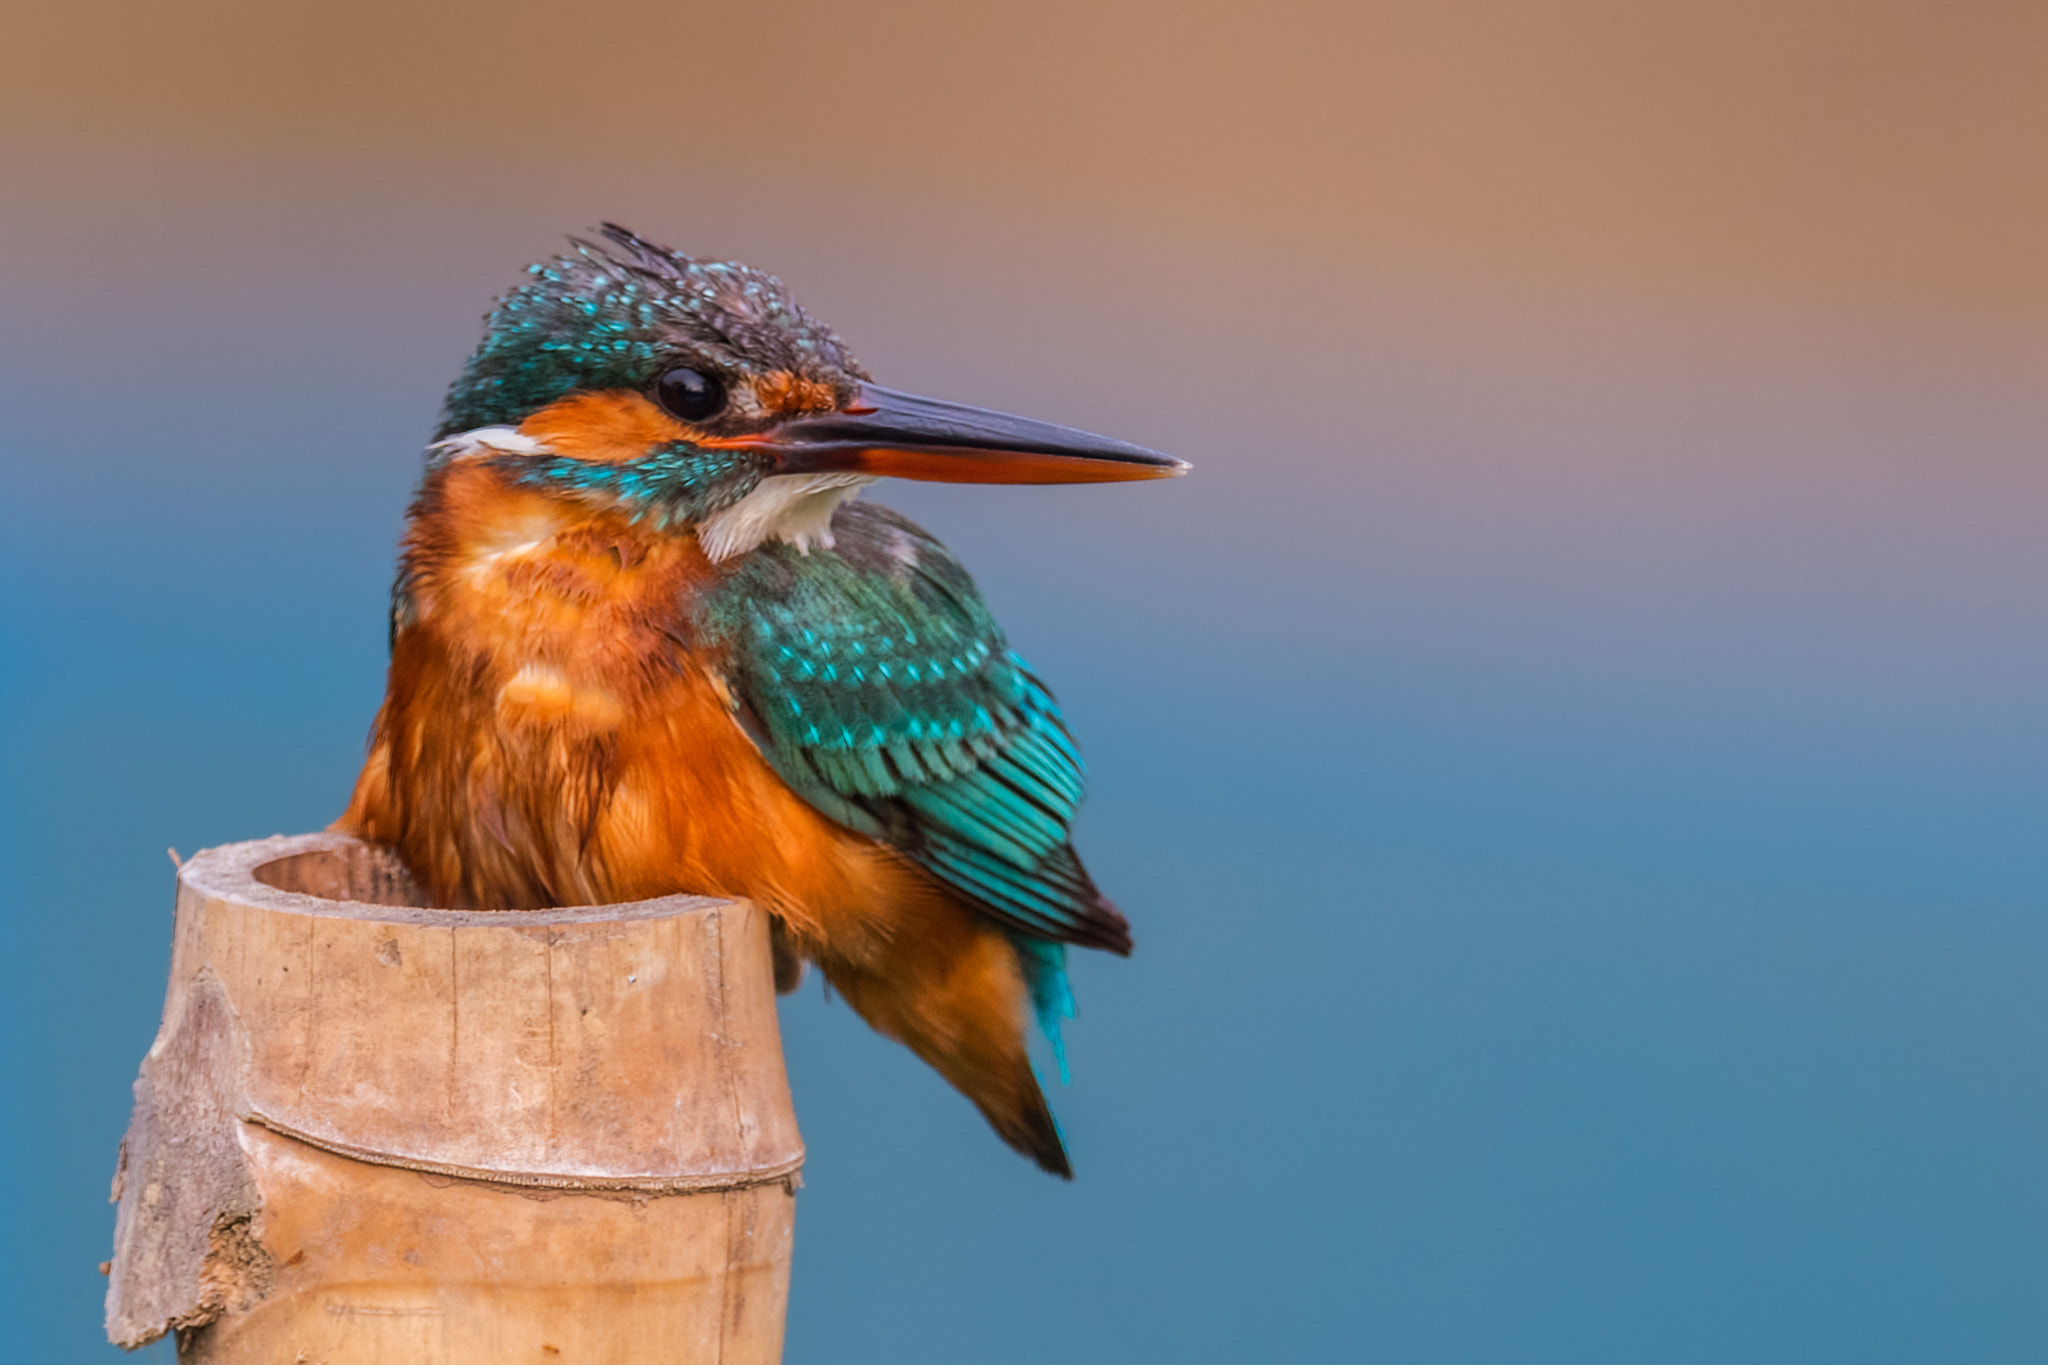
(1573, 752)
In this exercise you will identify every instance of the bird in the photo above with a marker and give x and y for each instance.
(645, 640)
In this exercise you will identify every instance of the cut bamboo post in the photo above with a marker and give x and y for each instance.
(374, 1132)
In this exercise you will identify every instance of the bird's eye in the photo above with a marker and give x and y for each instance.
(688, 394)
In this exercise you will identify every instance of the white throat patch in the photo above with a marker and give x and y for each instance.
(797, 508)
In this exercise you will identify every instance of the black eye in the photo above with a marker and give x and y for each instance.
(691, 395)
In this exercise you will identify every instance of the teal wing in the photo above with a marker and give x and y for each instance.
(875, 681)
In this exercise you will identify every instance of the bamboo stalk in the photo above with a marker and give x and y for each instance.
(373, 1132)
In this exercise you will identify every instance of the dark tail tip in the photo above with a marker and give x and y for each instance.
(1049, 1152)
(1033, 1131)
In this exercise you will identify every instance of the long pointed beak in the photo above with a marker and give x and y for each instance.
(883, 432)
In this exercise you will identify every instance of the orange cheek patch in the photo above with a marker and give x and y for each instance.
(606, 428)
(783, 393)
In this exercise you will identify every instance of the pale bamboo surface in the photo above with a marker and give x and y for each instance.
(374, 1132)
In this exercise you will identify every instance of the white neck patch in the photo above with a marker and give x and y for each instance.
(796, 508)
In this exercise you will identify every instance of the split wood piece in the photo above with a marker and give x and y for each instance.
(373, 1132)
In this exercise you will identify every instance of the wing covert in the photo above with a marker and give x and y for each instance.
(876, 682)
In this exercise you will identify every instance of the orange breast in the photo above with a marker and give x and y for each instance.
(551, 735)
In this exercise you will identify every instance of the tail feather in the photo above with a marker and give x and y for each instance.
(1032, 1130)
(1052, 999)
(956, 994)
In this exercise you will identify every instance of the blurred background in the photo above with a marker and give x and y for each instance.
(1573, 752)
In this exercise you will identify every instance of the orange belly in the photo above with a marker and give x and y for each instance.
(551, 736)
(526, 787)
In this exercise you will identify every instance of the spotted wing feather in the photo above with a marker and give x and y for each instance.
(876, 682)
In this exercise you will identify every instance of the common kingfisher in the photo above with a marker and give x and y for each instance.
(643, 641)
